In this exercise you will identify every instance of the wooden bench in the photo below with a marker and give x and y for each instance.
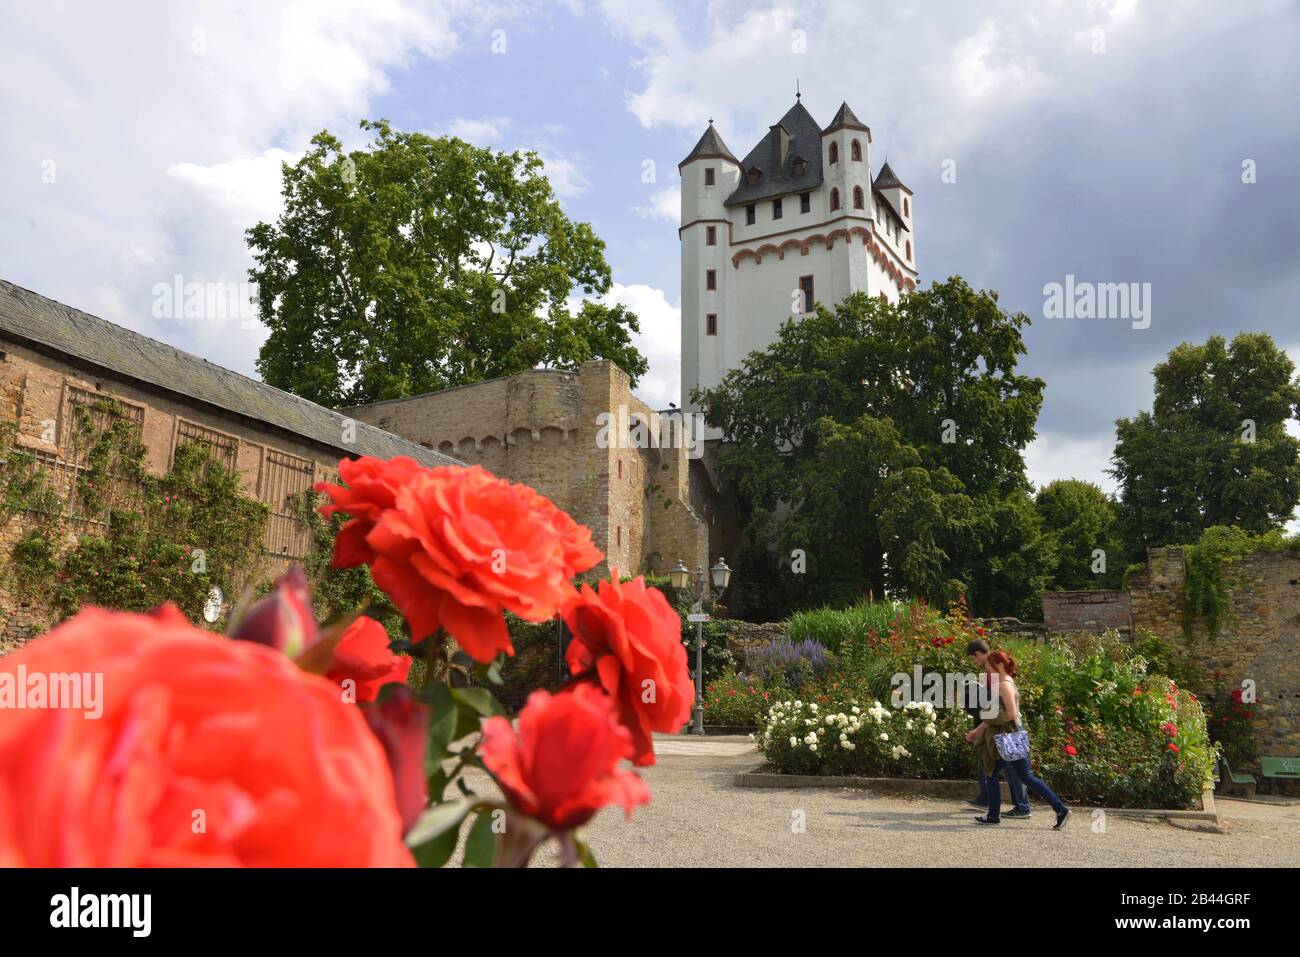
(1233, 781)
(1280, 768)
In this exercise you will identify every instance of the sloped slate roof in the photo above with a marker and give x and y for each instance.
(886, 179)
(845, 117)
(709, 146)
(805, 143)
(52, 326)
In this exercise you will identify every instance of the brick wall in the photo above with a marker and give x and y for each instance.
(1258, 639)
(36, 391)
(1097, 611)
(541, 427)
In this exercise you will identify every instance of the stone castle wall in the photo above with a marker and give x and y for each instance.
(1258, 639)
(568, 435)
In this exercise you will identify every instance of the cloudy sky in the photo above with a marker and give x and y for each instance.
(1104, 139)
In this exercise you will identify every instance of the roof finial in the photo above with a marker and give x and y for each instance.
(797, 94)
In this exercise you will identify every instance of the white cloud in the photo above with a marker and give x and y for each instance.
(660, 340)
(1052, 456)
(665, 205)
(165, 125)
(568, 179)
(480, 132)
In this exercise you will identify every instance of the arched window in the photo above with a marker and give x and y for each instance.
(835, 153)
(855, 151)
(909, 250)
(858, 202)
(835, 197)
(907, 209)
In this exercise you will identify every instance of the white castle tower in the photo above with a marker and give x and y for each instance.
(800, 220)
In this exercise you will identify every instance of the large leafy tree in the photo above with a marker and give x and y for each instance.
(1214, 449)
(880, 446)
(1079, 520)
(424, 262)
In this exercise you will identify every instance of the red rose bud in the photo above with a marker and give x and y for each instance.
(362, 657)
(562, 765)
(401, 723)
(283, 619)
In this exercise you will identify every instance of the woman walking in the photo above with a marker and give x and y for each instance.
(1002, 742)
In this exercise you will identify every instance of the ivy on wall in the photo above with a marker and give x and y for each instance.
(110, 533)
(1206, 589)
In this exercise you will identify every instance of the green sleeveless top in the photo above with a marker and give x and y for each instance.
(985, 747)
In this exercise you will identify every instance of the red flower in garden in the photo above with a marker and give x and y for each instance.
(1071, 750)
(362, 657)
(628, 639)
(1173, 747)
(372, 486)
(284, 773)
(562, 766)
(458, 546)
(1171, 729)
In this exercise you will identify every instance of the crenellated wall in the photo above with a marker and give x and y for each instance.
(570, 436)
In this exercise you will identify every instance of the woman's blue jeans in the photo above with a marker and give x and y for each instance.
(1018, 796)
(1022, 769)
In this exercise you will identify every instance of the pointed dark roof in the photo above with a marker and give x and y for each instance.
(73, 335)
(887, 179)
(805, 144)
(845, 118)
(710, 146)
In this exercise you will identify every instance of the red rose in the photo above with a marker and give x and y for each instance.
(562, 766)
(1071, 750)
(206, 752)
(401, 724)
(459, 546)
(362, 657)
(283, 619)
(372, 486)
(1173, 747)
(628, 638)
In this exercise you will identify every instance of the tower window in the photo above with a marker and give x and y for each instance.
(835, 199)
(855, 151)
(776, 209)
(909, 250)
(858, 201)
(711, 280)
(835, 153)
(754, 175)
(711, 235)
(805, 202)
(708, 176)
(907, 209)
(751, 214)
(806, 287)
(618, 539)
(800, 166)
(620, 468)
(711, 324)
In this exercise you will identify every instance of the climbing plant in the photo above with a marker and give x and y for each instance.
(1205, 593)
(107, 532)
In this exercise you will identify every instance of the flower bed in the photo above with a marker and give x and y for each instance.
(1103, 730)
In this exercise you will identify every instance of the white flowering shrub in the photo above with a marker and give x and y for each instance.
(871, 739)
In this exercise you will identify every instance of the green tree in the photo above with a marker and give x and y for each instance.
(424, 262)
(881, 445)
(1078, 518)
(1214, 448)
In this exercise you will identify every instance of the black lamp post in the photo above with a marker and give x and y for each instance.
(679, 575)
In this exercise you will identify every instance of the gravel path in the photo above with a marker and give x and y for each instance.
(698, 818)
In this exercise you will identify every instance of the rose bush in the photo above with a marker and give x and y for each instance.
(296, 743)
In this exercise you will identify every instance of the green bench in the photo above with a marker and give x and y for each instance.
(1280, 768)
(1233, 781)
